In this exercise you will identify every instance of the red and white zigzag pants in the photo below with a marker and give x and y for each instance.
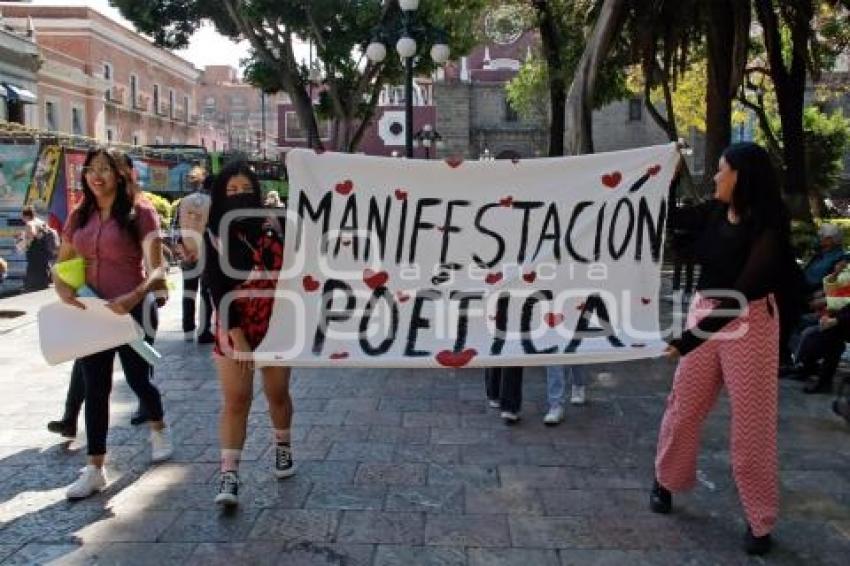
(747, 365)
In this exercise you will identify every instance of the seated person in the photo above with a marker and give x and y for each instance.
(824, 261)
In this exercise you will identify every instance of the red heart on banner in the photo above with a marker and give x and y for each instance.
(346, 243)
(400, 194)
(506, 202)
(375, 279)
(451, 359)
(339, 355)
(654, 170)
(454, 161)
(310, 284)
(553, 319)
(345, 187)
(611, 180)
(580, 307)
(402, 296)
(529, 277)
(645, 300)
(493, 278)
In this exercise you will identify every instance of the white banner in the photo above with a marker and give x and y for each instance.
(400, 263)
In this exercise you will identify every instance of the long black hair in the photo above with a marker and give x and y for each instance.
(756, 198)
(122, 208)
(220, 203)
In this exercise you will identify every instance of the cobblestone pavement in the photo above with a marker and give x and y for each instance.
(399, 467)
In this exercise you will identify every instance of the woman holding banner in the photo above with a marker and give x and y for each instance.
(244, 253)
(743, 248)
(115, 235)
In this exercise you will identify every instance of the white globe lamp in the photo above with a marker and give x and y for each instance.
(440, 53)
(409, 5)
(376, 52)
(406, 47)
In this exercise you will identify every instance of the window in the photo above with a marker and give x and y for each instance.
(50, 116)
(136, 139)
(210, 102)
(110, 135)
(77, 127)
(134, 91)
(107, 75)
(510, 112)
(635, 110)
(156, 99)
(171, 103)
(158, 140)
(186, 107)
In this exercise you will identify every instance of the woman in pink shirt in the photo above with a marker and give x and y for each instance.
(117, 235)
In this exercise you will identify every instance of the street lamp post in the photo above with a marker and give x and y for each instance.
(428, 137)
(406, 47)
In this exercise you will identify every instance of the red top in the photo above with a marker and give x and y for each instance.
(113, 256)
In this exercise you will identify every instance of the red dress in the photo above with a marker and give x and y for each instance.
(255, 312)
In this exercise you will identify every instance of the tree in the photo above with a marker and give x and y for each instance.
(340, 30)
(579, 104)
(540, 88)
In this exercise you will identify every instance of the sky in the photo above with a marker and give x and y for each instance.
(207, 47)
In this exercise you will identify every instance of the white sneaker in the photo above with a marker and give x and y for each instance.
(509, 417)
(161, 446)
(579, 395)
(554, 416)
(493, 403)
(90, 481)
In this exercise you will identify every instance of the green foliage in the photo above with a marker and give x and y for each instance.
(528, 91)
(827, 138)
(163, 207)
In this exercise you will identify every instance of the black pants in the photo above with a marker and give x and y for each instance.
(824, 346)
(190, 292)
(97, 375)
(504, 385)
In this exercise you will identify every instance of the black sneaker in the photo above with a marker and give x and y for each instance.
(284, 467)
(756, 546)
(206, 338)
(228, 490)
(841, 407)
(64, 428)
(660, 499)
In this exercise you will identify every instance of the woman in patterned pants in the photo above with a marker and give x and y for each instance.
(732, 340)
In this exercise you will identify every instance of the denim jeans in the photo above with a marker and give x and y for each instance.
(556, 382)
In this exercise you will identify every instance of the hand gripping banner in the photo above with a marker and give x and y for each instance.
(401, 263)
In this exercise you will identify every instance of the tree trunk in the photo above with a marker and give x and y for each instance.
(579, 106)
(790, 86)
(727, 27)
(552, 45)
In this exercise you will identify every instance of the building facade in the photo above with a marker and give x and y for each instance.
(102, 80)
(243, 116)
(19, 63)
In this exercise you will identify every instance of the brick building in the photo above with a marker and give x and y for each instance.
(240, 112)
(102, 80)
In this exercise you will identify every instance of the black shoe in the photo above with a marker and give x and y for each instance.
(841, 407)
(660, 499)
(819, 386)
(139, 417)
(756, 546)
(65, 428)
(206, 338)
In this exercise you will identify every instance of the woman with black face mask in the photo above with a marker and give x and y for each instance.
(243, 244)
